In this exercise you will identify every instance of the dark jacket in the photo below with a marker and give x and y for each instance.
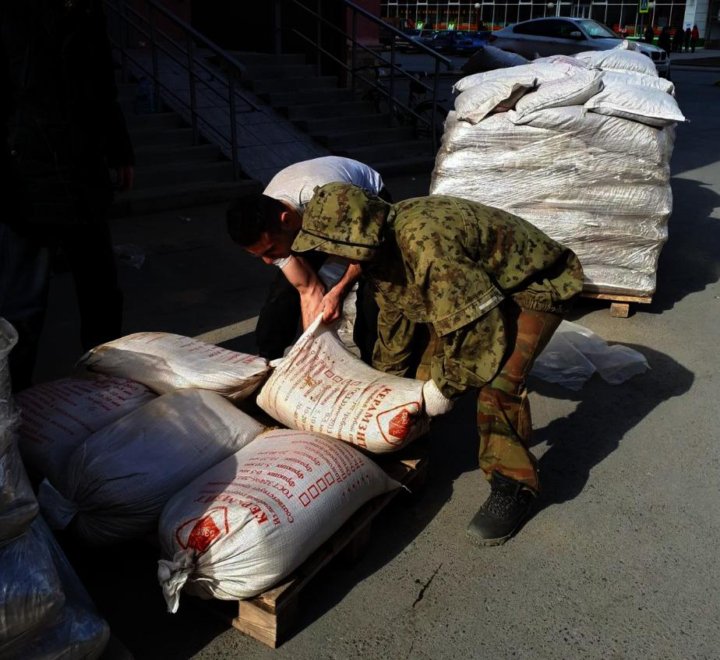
(62, 124)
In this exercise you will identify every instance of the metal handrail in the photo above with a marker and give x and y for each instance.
(145, 25)
(353, 69)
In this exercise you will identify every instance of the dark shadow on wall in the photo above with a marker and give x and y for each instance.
(604, 415)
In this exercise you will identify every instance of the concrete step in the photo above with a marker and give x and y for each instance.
(154, 120)
(328, 124)
(265, 59)
(166, 136)
(162, 154)
(271, 85)
(300, 97)
(378, 135)
(390, 152)
(138, 202)
(261, 71)
(402, 166)
(318, 110)
(174, 172)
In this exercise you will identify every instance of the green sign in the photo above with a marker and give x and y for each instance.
(644, 6)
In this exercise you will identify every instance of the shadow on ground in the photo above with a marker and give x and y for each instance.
(604, 415)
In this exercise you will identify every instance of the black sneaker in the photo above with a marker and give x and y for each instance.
(503, 512)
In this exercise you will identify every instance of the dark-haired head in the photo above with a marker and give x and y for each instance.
(251, 216)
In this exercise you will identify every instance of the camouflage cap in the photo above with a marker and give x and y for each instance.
(343, 220)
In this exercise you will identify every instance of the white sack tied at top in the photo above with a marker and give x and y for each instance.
(166, 362)
(118, 480)
(248, 522)
(323, 388)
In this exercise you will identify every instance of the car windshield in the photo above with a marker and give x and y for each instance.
(597, 30)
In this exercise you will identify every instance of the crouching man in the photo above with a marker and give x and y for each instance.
(492, 289)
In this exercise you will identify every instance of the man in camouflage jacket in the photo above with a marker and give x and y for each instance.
(491, 289)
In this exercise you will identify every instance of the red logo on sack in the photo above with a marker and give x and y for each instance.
(200, 533)
(398, 421)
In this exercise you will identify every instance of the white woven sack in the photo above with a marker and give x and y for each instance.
(618, 59)
(166, 362)
(540, 71)
(476, 103)
(251, 520)
(117, 481)
(641, 104)
(571, 90)
(323, 388)
(635, 78)
(55, 417)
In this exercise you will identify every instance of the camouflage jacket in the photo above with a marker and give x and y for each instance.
(443, 261)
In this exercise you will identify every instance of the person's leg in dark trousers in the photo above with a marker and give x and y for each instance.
(366, 316)
(24, 277)
(90, 257)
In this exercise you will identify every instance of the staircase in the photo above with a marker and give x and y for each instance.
(171, 171)
(333, 116)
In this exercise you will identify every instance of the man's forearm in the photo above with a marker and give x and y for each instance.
(346, 282)
(302, 276)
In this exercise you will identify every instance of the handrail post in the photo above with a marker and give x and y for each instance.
(318, 40)
(277, 18)
(191, 80)
(391, 98)
(353, 57)
(233, 129)
(123, 29)
(155, 63)
(433, 115)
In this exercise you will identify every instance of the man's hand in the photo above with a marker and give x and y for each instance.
(332, 306)
(436, 403)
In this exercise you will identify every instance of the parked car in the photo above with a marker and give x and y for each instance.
(407, 44)
(541, 37)
(458, 42)
(424, 36)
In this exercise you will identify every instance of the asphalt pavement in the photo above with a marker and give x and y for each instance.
(620, 561)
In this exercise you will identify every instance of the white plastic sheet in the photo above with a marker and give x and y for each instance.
(575, 353)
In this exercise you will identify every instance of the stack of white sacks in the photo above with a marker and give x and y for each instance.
(148, 439)
(579, 146)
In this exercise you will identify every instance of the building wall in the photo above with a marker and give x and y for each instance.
(466, 14)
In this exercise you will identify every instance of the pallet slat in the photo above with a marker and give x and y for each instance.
(271, 616)
(619, 303)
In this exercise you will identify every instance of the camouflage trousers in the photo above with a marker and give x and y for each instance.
(503, 409)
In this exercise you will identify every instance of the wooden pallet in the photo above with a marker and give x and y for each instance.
(272, 616)
(619, 304)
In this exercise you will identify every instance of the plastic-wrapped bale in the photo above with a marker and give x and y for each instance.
(599, 183)
(18, 505)
(31, 593)
(166, 362)
(323, 388)
(65, 623)
(117, 480)
(8, 339)
(251, 520)
(55, 417)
